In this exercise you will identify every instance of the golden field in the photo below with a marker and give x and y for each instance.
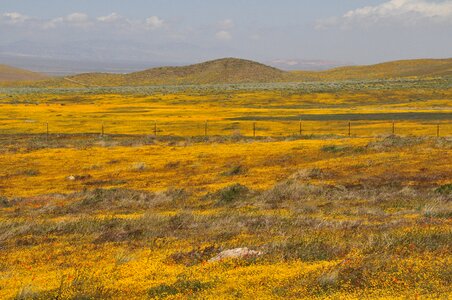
(130, 215)
(276, 113)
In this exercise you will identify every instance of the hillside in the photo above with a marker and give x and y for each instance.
(421, 68)
(8, 74)
(221, 71)
(233, 70)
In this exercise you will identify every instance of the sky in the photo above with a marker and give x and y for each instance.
(283, 32)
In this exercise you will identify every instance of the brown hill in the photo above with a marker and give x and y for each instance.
(233, 70)
(221, 71)
(8, 74)
(417, 68)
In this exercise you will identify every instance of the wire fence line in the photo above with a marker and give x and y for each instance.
(361, 128)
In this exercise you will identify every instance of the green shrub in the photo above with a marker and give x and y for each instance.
(235, 170)
(181, 286)
(444, 189)
(231, 194)
(4, 202)
(342, 149)
(162, 291)
(333, 148)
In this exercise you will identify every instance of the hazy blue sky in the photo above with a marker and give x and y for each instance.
(356, 31)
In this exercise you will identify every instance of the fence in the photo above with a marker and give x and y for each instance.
(362, 128)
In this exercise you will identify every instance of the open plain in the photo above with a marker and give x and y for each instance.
(342, 189)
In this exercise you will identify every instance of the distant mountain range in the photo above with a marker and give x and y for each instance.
(55, 65)
(65, 66)
(233, 70)
(308, 65)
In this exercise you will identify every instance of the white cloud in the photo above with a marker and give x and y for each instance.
(111, 18)
(407, 12)
(14, 18)
(226, 24)
(119, 22)
(224, 27)
(223, 35)
(154, 22)
(82, 20)
(77, 18)
(395, 8)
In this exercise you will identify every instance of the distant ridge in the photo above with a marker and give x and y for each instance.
(416, 68)
(9, 74)
(234, 70)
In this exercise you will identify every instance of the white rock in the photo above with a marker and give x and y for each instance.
(236, 253)
(71, 178)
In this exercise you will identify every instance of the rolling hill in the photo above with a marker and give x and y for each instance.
(9, 74)
(221, 71)
(418, 68)
(233, 70)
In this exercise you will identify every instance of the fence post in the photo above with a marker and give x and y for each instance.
(437, 130)
(301, 128)
(393, 127)
(349, 128)
(102, 131)
(254, 129)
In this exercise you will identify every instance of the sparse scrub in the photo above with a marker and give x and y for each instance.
(291, 191)
(231, 194)
(235, 170)
(131, 215)
(28, 172)
(181, 286)
(342, 149)
(395, 141)
(113, 198)
(194, 256)
(445, 190)
(181, 221)
(306, 174)
(4, 202)
(438, 209)
(307, 250)
(139, 167)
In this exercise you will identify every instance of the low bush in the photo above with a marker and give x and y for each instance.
(194, 256)
(231, 194)
(444, 190)
(181, 286)
(235, 170)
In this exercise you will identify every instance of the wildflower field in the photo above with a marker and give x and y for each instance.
(344, 190)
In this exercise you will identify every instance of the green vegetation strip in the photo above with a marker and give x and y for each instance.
(295, 87)
(353, 117)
